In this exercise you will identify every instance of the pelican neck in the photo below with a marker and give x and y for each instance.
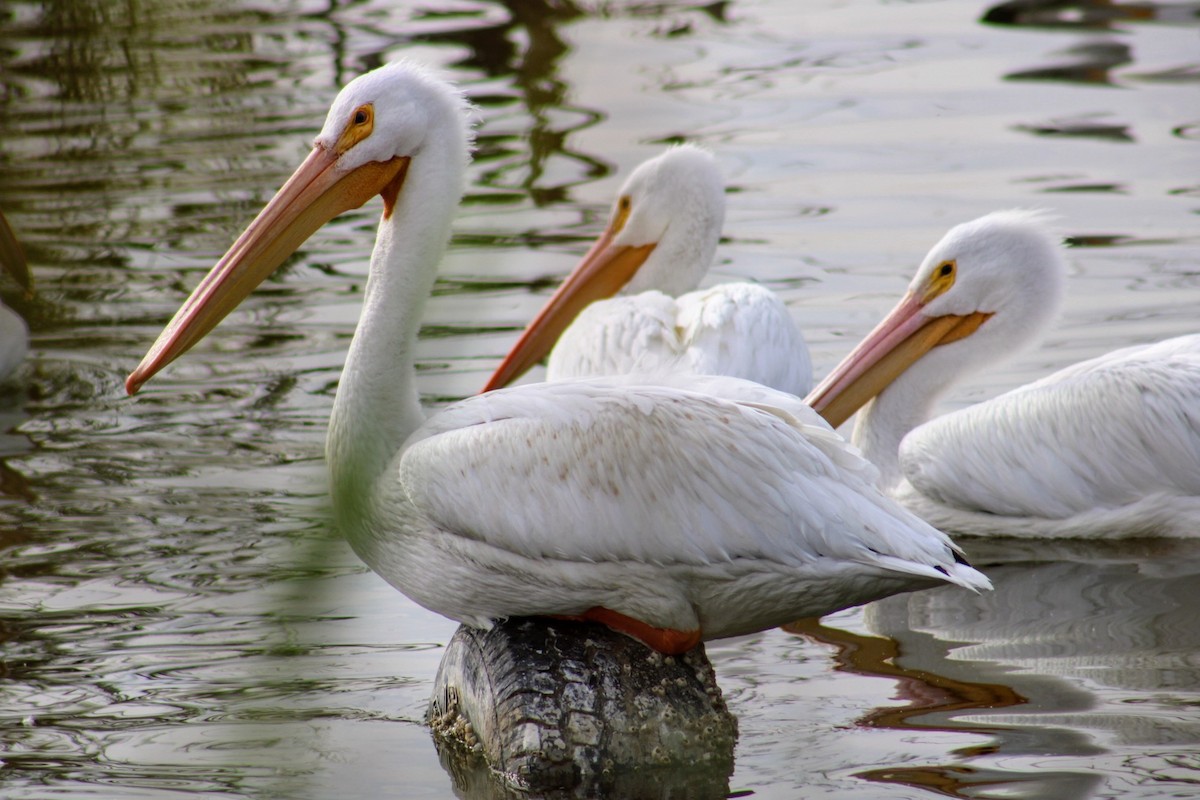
(377, 404)
(904, 405)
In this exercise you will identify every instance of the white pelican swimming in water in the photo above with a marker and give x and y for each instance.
(14, 333)
(674, 513)
(1105, 448)
(660, 241)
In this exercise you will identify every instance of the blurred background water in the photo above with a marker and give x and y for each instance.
(176, 615)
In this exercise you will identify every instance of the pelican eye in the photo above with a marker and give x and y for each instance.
(941, 280)
(621, 215)
(362, 123)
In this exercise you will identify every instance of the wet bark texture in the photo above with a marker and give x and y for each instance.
(568, 709)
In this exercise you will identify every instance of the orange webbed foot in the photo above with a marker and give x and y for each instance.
(667, 641)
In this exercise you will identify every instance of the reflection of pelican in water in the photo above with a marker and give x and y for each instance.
(659, 243)
(1099, 637)
(1105, 448)
(877, 656)
(932, 697)
(14, 334)
(675, 514)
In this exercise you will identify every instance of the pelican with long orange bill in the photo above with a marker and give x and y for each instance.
(1105, 448)
(631, 305)
(675, 512)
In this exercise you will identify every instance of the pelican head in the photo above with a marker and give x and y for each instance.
(376, 126)
(662, 234)
(988, 288)
(675, 205)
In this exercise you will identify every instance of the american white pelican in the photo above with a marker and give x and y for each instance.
(673, 514)
(14, 333)
(1105, 448)
(661, 237)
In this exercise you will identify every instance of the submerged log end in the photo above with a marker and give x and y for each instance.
(543, 705)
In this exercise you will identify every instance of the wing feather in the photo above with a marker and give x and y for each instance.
(741, 330)
(619, 336)
(745, 331)
(604, 470)
(1102, 433)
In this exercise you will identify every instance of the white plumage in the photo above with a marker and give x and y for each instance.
(660, 241)
(687, 509)
(1108, 447)
(741, 330)
(693, 508)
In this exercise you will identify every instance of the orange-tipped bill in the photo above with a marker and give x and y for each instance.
(893, 346)
(316, 193)
(12, 257)
(601, 274)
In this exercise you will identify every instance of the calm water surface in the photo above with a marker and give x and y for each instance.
(177, 618)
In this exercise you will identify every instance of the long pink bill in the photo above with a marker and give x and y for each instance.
(601, 274)
(895, 344)
(315, 193)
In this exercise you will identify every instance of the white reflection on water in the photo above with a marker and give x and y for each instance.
(175, 615)
(1100, 642)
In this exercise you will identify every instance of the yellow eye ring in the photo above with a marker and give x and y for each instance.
(624, 206)
(360, 126)
(943, 277)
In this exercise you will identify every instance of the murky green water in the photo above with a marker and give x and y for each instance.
(176, 616)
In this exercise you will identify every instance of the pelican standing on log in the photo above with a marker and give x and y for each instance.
(1105, 448)
(674, 513)
(14, 333)
(659, 243)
